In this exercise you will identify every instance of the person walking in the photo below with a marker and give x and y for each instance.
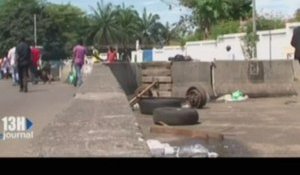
(79, 54)
(23, 58)
(13, 66)
(112, 56)
(36, 58)
(46, 75)
(6, 67)
(296, 43)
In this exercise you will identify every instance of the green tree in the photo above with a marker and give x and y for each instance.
(297, 15)
(207, 13)
(239, 9)
(16, 20)
(64, 25)
(148, 28)
(104, 28)
(169, 34)
(127, 19)
(225, 27)
(58, 26)
(122, 25)
(270, 23)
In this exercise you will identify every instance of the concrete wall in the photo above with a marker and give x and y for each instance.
(137, 73)
(296, 69)
(137, 56)
(255, 78)
(272, 45)
(187, 74)
(126, 76)
(98, 123)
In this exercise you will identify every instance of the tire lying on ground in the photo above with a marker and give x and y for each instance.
(148, 105)
(176, 116)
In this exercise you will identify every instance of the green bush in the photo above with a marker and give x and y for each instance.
(225, 27)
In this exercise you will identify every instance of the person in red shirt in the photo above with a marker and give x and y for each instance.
(36, 58)
(112, 55)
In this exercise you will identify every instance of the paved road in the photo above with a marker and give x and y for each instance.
(41, 105)
(263, 127)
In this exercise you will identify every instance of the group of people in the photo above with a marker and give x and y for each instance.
(79, 56)
(22, 61)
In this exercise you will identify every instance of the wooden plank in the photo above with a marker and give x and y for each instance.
(200, 134)
(161, 86)
(164, 93)
(157, 65)
(136, 98)
(165, 87)
(160, 79)
(142, 87)
(156, 72)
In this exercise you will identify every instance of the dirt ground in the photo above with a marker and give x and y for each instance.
(264, 127)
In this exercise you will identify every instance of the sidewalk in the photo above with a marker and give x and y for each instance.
(99, 123)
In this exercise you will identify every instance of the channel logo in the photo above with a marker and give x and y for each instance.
(16, 128)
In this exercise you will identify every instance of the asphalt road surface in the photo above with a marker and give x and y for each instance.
(40, 105)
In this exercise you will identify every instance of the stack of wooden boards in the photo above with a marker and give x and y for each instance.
(160, 71)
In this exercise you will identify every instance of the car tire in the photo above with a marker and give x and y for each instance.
(148, 105)
(176, 116)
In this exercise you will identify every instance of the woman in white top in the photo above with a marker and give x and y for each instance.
(13, 66)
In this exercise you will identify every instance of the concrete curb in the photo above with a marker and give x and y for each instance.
(99, 123)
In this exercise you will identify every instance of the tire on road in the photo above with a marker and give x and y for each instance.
(176, 116)
(148, 105)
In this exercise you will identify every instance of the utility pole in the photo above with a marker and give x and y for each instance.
(254, 54)
(35, 35)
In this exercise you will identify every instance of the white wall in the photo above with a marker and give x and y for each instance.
(138, 55)
(274, 45)
(166, 52)
(201, 50)
(233, 40)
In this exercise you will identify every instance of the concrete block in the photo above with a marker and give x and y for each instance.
(125, 75)
(187, 74)
(255, 78)
(296, 68)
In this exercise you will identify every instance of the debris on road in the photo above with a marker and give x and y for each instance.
(159, 149)
(237, 96)
(193, 133)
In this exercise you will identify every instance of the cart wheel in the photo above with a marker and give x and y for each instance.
(196, 97)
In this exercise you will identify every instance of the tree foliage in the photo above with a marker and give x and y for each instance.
(60, 26)
(297, 15)
(112, 25)
(207, 13)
